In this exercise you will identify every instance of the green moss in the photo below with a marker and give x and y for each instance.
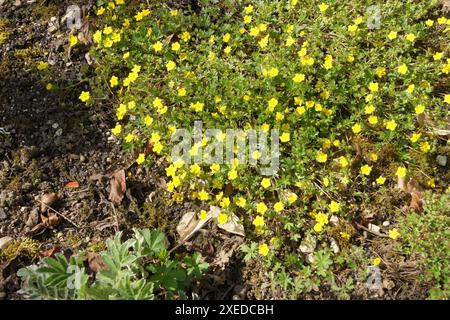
(4, 32)
(26, 247)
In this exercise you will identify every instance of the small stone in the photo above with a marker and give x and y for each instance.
(334, 220)
(82, 158)
(334, 246)
(374, 228)
(33, 218)
(386, 224)
(55, 125)
(59, 132)
(4, 242)
(3, 215)
(441, 160)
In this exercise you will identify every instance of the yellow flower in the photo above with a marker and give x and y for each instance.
(100, 11)
(402, 69)
(352, 28)
(258, 221)
(300, 110)
(157, 147)
(334, 206)
(366, 169)
(278, 207)
(438, 56)
(356, 128)
(381, 180)
(285, 137)
(272, 72)
(391, 125)
(247, 19)
(429, 23)
(222, 218)
(181, 92)
(345, 235)
(84, 96)
(226, 37)
(261, 208)
(225, 202)
(410, 37)
(380, 71)
(42, 65)
(254, 31)
(203, 215)
(262, 27)
(328, 64)
(49, 86)
(298, 77)
(241, 202)
(73, 40)
(373, 86)
(256, 154)
(157, 46)
(117, 129)
(175, 46)
(272, 103)
(343, 161)
(447, 98)
(321, 157)
(401, 172)
(265, 183)
(114, 81)
(425, 147)
(214, 168)
(170, 65)
(392, 35)
(394, 234)
(227, 50)
(290, 41)
(263, 249)
(232, 174)
(415, 137)
(141, 158)
(148, 120)
(292, 198)
(318, 227)
(369, 109)
(185, 36)
(442, 20)
(323, 7)
(173, 13)
(373, 119)
(420, 108)
(376, 261)
(203, 195)
(410, 88)
(248, 9)
(130, 137)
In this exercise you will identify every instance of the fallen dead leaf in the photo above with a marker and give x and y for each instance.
(233, 226)
(72, 184)
(190, 224)
(50, 252)
(95, 262)
(47, 200)
(118, 186)
(50, 220)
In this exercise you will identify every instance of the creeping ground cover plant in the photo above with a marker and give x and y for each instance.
(357, 92)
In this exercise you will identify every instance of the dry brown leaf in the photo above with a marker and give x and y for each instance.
(50, 220)
(95, 262)
(416, 201)
(50, 252)
(233, 225)
(118, 186)
(47, 200)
